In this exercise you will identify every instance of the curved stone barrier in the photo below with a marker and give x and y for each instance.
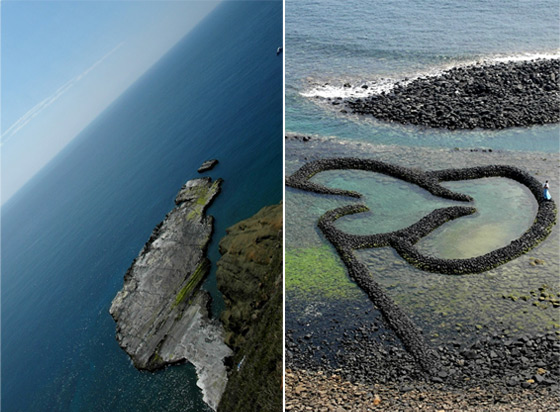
(403, 240)
(300, 179)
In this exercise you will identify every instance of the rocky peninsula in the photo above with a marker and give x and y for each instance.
(161, 314)
(250, 277)
(487, 96)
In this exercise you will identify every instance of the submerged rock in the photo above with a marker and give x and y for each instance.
(250, 277)
(207, 165)
(162, 317)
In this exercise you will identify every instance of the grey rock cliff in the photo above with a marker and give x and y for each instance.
(161, 315)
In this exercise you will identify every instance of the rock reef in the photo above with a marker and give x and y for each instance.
(403, 240)
(250, 277)
(207, 165)
(162, 317)
(488, 96)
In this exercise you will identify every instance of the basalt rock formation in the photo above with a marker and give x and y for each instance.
(487, 96)
(403, 240)
(207, 165)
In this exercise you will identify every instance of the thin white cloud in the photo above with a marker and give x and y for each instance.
(37, 109)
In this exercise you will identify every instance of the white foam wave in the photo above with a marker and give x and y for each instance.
(362, 90)
(381, 85)
(525, 57)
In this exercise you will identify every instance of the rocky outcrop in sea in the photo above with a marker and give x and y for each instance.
(250, 277)
(161, 314)
(207, 165)
(487, 96)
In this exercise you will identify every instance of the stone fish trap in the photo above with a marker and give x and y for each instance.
(403, 240)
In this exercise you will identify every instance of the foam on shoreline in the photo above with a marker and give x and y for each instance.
(338, 90)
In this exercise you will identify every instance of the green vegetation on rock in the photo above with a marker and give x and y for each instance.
(199, 273)
(250, 277)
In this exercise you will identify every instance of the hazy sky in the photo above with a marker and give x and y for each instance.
(63, 62)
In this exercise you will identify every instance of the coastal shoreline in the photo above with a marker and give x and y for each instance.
(305, 389)
(494, 95)
(504, 368)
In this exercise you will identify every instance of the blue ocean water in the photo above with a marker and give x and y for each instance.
(70, 234)
(364, 41)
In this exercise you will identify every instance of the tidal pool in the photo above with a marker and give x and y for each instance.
(505, 299)
(505, 210)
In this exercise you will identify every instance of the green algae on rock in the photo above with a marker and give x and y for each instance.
(250, 277)
(161, 314)
(318, 272)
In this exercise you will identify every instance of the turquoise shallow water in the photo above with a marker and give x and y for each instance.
(505, 210)
(70, 234)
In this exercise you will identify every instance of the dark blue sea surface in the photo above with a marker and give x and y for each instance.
(70, 234)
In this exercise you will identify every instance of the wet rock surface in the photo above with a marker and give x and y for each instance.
(498, 368)
(488, 96)
(161, 315)
(299, 137)
(350, 340)
(250, 277)
(207, 165)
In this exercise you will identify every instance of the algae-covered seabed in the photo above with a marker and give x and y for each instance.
(446, 307)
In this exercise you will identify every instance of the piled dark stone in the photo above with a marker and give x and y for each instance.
(329, 391)
(493, 96)
(496, 359)
(298, 137)
(300, 179)
(369, 353)
(496, 373)
(403, 240)
(527, 362)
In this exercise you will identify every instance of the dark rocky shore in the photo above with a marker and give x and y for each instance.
(362, 355)
(495, 372)
(488, 96)
(391, 350)
(161, 314)
(329, 391)
(299, 137)
(250, 277)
